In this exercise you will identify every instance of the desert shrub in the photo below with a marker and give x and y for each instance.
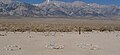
(61, 27)
(102, 29)
(117, 28)
(87, 29)
(106, 29)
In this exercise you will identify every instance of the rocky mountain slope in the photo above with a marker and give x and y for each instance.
(58, 9)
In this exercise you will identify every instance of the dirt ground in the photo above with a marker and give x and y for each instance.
(88, 43)
(59, 43)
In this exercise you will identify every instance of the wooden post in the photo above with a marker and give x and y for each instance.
(80, 30)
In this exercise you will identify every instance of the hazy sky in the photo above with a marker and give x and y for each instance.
(116, 2)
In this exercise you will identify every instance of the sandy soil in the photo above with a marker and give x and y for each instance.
(89, 43)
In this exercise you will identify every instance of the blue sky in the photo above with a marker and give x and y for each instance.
(116, 2)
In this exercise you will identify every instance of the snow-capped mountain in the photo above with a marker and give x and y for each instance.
(58, 9)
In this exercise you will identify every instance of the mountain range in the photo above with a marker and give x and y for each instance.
(58, 9)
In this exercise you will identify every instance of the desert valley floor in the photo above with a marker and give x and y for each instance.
(59, 43)
(88, 43)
